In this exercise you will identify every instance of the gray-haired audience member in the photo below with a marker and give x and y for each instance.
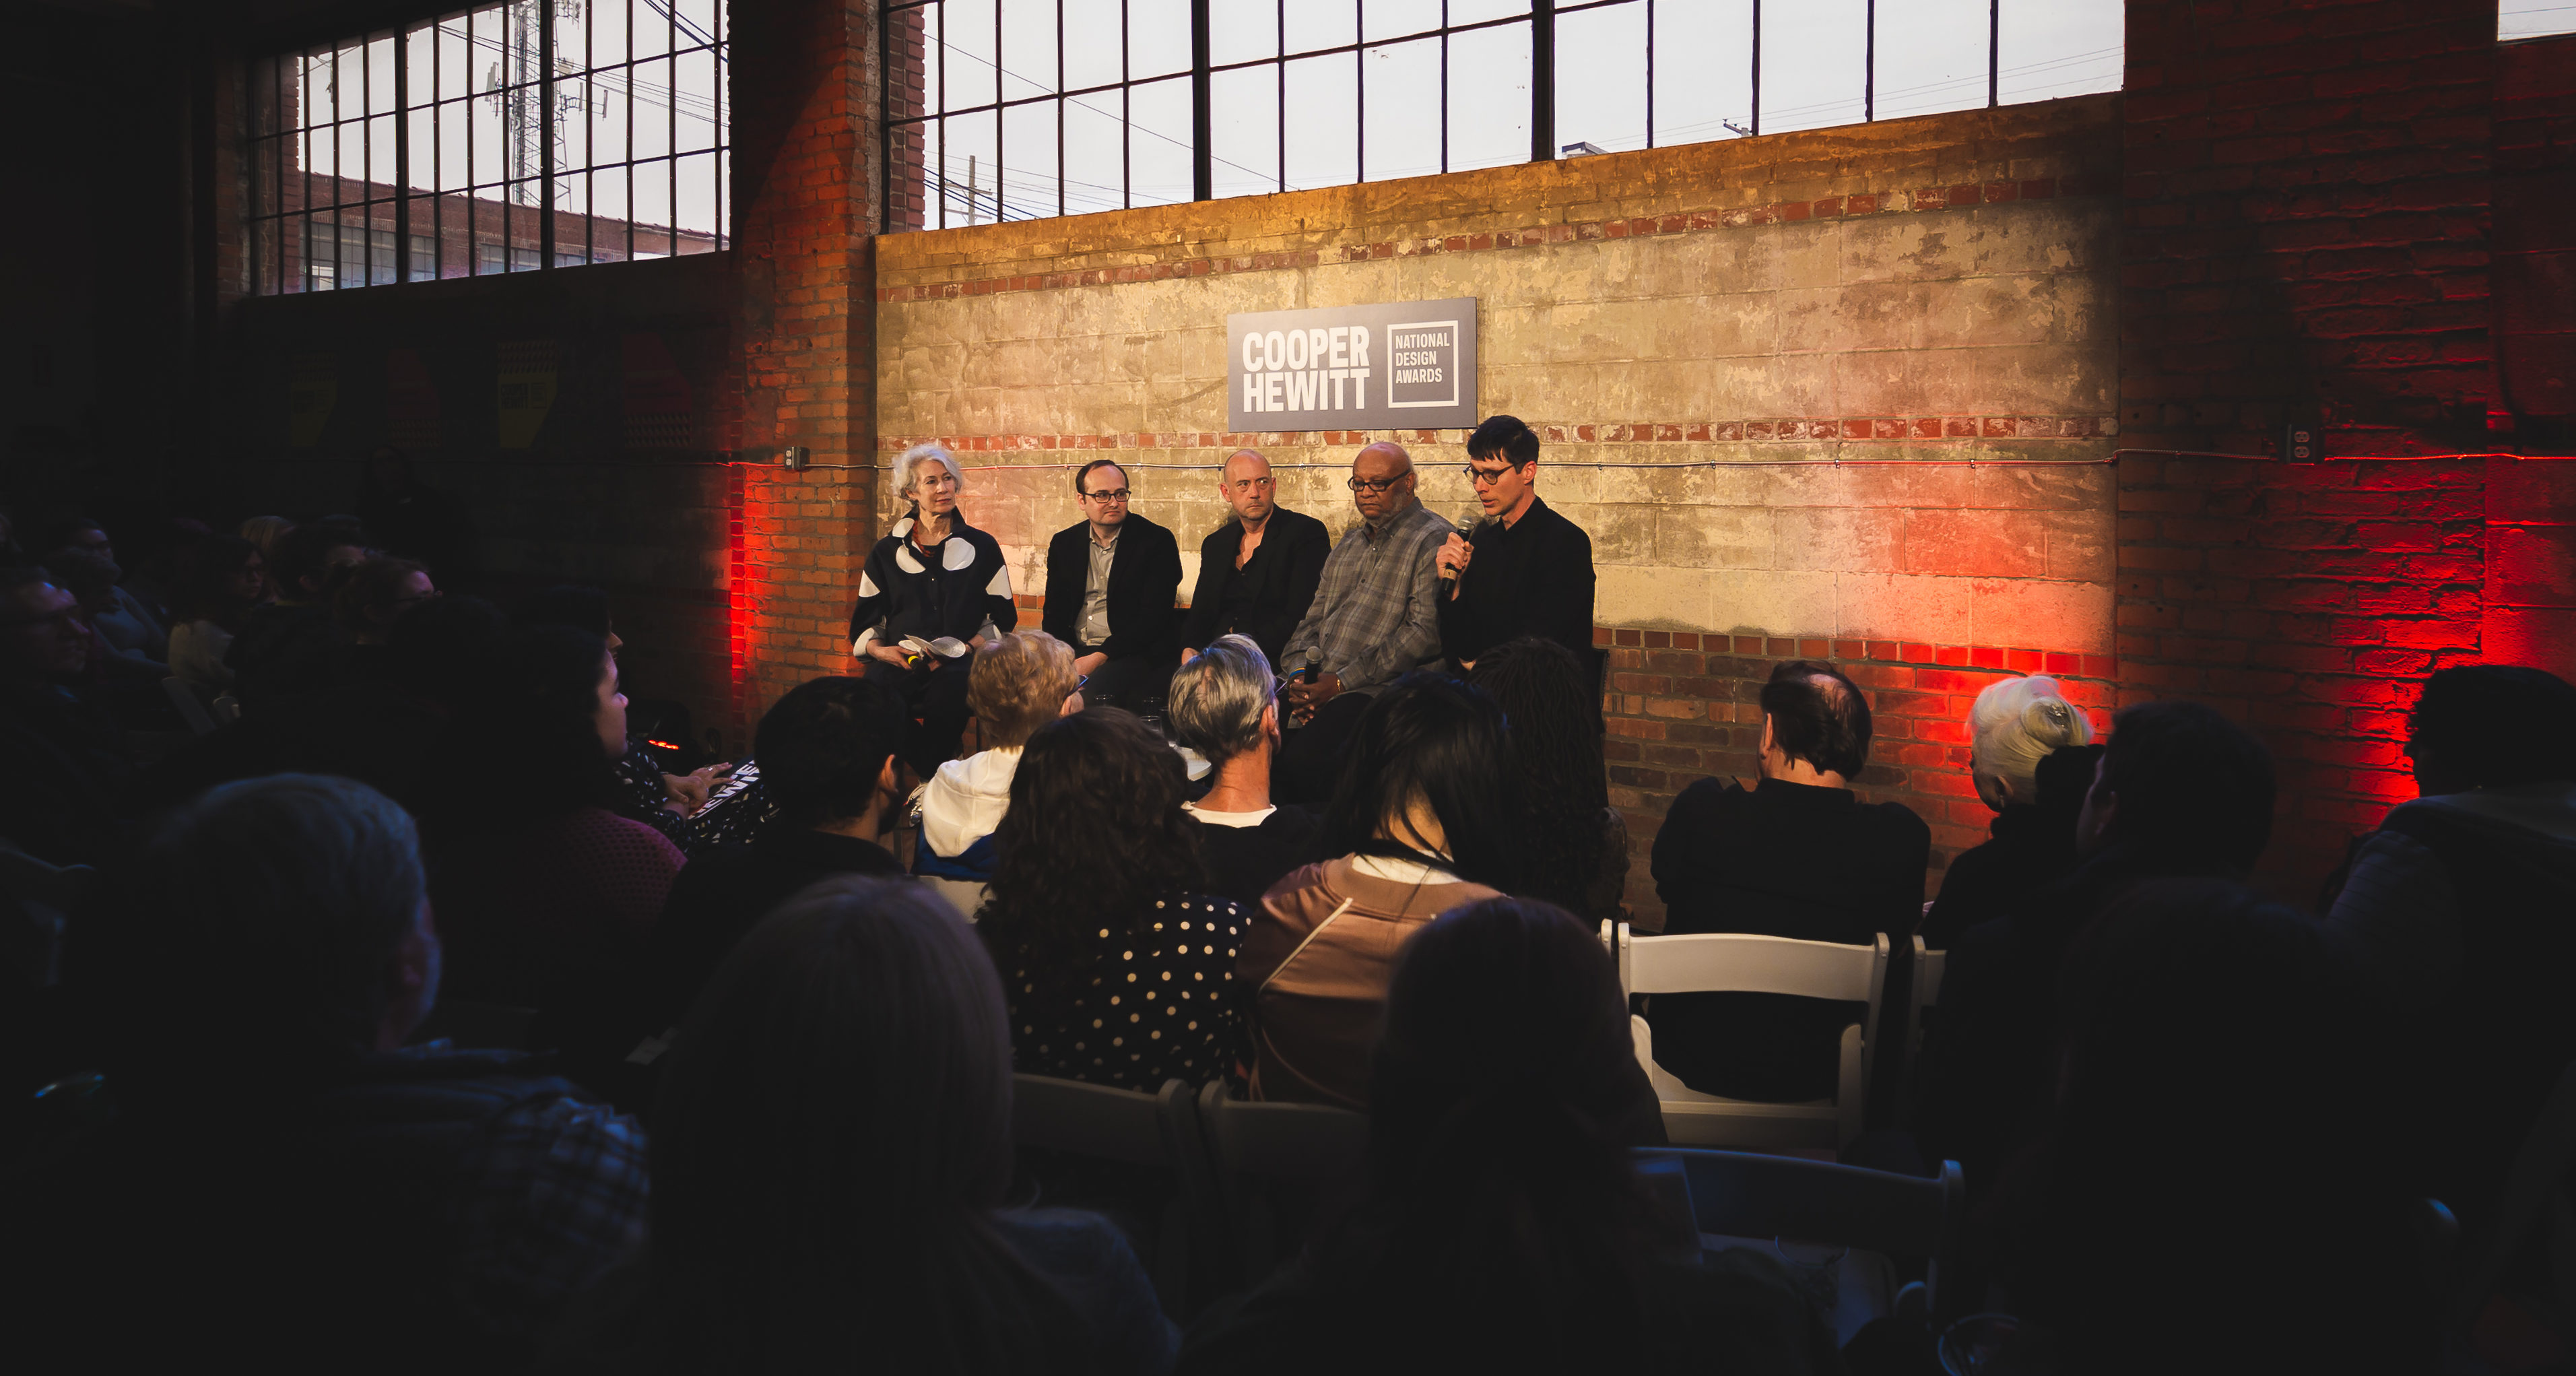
(288, 1172)
(2032, 766)
(2456, 910)
(1225, 705)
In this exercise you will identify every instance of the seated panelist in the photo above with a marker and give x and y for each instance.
(933, 589)
(1112, 580)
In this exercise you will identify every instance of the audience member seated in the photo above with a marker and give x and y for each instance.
(546, 893)
(828, 751)
(128, 644)
(220, 579)
(1422, 822)
(376, 594)
(265, 532)
(1501, 1225)
(830, 1154)
(1119, 969)
(933, 589)
(2027, 757)
(1576, 843)
(1225, 706)
(2180, 791)
(2218, 1190)
(285, 1172)
(668, 803)
(2456, 909)
(68, 752)
(1020, 681)
(130, 627)
(1798, 856)
(288, 648)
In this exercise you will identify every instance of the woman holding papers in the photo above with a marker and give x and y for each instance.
(933, 589)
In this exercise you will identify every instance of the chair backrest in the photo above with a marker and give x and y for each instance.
(1102, 1121)
(1246, 1137)
(1747, 1194)
(184, 700)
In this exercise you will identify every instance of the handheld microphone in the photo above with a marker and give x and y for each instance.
(1314, 666)
(1449, 577)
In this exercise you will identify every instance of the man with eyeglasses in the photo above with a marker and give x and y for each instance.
(1113, 582)
(1376, 617)
(1532, 567)
(1257, 572)
(69, 752)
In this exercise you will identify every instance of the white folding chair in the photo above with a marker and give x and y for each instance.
(1740, 1195)
(1250, 1144)
(1734, 963)
(1105, 1123)
(184, 699)
(1929, 966)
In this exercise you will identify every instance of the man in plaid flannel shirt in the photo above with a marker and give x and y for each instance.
(1376, 617)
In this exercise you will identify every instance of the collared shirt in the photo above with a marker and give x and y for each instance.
(1094, 626)
(1376, 614)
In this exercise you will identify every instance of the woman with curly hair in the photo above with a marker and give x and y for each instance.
(1117, 969)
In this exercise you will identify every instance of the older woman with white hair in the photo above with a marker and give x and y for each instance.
(933, 589)
(2029, 755)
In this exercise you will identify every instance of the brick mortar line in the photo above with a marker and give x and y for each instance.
(1917, 654)
(1845, 207)
(1849, 428)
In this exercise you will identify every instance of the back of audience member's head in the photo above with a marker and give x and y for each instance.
(1555, 720)
(310, 559)
(567, 604)
(1218, 701)
(1430, 753)
(2013, 725)
(831, 1137)
(449, 650)
(1819, 716)
(1093, 835)
(2194, 1006)
(1017, 684)
(276, 920)
(2491, 725)
(1502, 1208)
(220, 577)
(378, 593)
(825, 747)
(2183, 788)
(265, 532)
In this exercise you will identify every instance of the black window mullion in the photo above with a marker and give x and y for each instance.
(629, 165)
(1062, 104)
(1757, 68)
(1359, 90)
(1202, 153)
(1279, 87)
(1543, 80)
(943, 113)
(671, 144)
(1994, 49)
(546, 132)
(1868, 63)
(1444, 88)
(1650, 72)
(402, 154)
(1126, 117)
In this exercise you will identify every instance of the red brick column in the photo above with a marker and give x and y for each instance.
(805, 204)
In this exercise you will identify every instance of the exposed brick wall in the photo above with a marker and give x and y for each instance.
(2535, 242)
(2307, 192)
(1684, 707)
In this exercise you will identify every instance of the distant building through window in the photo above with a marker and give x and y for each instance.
(503, 138)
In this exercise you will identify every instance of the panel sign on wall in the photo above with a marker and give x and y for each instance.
(1408, 365)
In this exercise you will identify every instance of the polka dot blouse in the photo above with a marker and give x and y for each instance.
(1140, 1007)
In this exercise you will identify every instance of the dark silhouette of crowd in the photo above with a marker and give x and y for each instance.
(384, 995)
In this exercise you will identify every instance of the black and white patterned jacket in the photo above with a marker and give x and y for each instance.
(962, 590)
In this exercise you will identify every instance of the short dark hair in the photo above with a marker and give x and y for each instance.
(1818, 715)
(2499, 723)
(1083, 474)
(1432, 735)
(1509, 436)
(2194, 789)
(300, 552)
(823, 745)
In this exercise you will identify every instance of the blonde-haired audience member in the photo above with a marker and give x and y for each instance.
(2031, 758)
(1019, 682)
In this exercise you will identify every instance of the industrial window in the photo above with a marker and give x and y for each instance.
(1018, 109)
(504, 138)
(2534, 18)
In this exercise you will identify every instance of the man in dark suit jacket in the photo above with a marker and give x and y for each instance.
(1257, 572)
(1532, 567)
(1112, 584)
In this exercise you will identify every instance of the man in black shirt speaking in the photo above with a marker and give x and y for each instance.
(1532, 568)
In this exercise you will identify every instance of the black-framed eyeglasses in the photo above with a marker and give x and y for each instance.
(1377, 484)
(1118, 494)
(1485, 477)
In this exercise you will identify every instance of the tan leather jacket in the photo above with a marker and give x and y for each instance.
(1319, 956)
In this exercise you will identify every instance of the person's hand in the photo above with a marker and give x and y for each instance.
(1084, 666)
(895, 655)
(688, 792)
(1454, 555)
(1304, 698)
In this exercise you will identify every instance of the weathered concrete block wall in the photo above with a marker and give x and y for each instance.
(1699, 332)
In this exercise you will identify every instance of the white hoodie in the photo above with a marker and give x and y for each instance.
(966, 799)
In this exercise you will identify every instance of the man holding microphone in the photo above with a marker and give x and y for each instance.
(1532, 567)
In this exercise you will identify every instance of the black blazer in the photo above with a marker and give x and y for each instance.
(1266, 598)
(1534, 578)
(1144, 586)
